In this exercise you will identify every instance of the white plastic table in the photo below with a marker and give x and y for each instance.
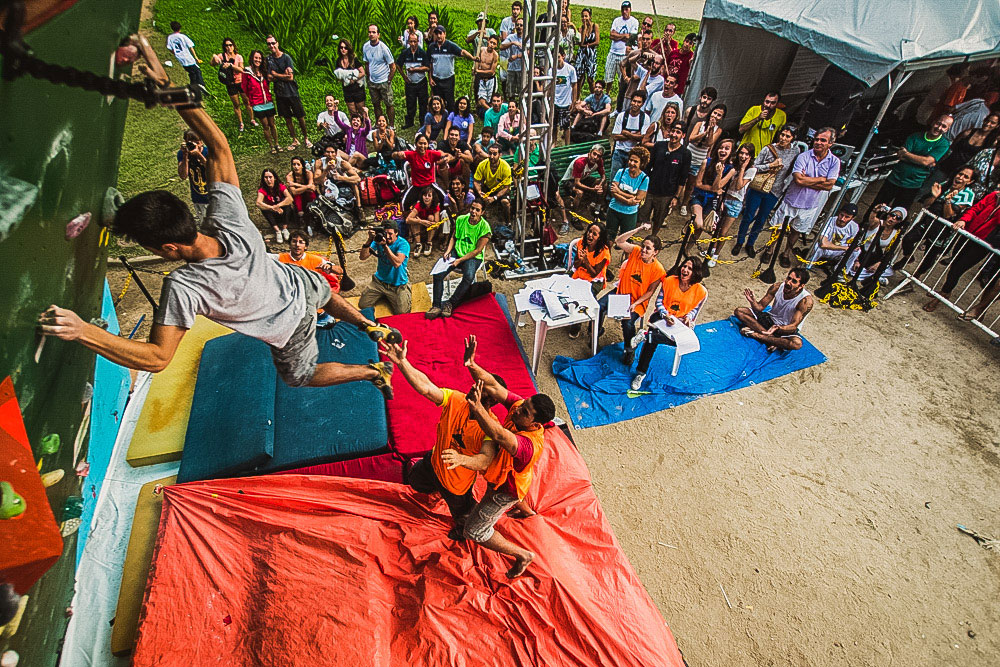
(564, 286)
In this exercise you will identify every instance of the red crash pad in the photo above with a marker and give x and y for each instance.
(386, 467)
(436, 347)
(307, 570)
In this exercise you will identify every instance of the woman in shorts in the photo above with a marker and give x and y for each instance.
(258, 91)
(230, 64)
(713, 177)
(351, 74)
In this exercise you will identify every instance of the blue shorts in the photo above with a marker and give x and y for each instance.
(704, 199)
(733, 207)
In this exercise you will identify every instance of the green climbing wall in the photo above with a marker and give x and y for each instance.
(59, 150)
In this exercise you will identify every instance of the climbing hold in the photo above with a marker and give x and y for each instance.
(76, 226)
(9, 659)
(82, 469)
(73, 508)
(53, 477)
(100, 322)
(11, 504)
(51, 443)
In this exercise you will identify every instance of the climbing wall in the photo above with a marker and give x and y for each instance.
(59, 150)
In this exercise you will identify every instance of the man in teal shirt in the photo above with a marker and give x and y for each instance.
(465, 254)
(917, 159)
(497, 109)
(391, 280)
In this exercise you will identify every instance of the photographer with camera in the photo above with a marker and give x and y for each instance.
(192, 159)
(391, 280)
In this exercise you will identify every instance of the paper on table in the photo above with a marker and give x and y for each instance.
(441, 266)
(684, 336)
(618, 305)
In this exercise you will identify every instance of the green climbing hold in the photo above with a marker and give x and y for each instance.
(11, 504)
(73, 508)
(51, 443)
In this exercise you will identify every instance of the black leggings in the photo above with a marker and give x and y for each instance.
(967, 257)
(654, 338)
(279, 220)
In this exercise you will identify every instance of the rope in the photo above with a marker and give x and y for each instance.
(128, 282)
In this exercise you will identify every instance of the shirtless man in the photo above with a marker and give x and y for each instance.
(778, 328)
(228, 277)
(485, 73)
(335, 166)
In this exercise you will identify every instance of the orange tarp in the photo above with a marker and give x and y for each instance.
(309, 570)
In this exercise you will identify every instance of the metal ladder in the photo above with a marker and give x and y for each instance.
(540, 49)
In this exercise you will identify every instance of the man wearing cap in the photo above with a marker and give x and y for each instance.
(442, 53)
(836, 237)
(622, 29)
(477, 36)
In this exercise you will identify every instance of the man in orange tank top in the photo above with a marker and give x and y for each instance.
(518, 444)
(457, 433)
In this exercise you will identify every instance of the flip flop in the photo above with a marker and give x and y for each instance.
(968, 316)
(930, 306)
(746, 331)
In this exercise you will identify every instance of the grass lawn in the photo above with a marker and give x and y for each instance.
(152, 137)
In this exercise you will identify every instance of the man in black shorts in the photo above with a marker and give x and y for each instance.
(281, 72)
(228, 277)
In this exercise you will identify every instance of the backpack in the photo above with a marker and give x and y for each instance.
(369, 193)
(385, 188)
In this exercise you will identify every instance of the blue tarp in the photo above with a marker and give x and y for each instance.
(111, 387)
(595, 389)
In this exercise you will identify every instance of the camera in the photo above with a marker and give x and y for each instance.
(882, 212)
(380, 235)
(190, 145)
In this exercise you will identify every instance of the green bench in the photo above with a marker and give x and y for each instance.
(563, 155)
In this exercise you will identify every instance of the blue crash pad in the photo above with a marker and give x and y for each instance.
(595, 389)
(246, 420)
(231, 427)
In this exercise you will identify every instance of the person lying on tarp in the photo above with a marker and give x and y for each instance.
(457, 432)
(227, 277)
(778, 328)
(519, 442)
(680, 298)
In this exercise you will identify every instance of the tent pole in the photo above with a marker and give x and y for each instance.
(893, 89)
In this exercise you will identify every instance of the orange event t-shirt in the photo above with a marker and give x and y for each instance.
(456, 430)
(502, 465)
(636, 277)
(680, 303)
(594, 259)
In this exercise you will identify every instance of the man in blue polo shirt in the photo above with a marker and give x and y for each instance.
(391, 280)
(442, 53)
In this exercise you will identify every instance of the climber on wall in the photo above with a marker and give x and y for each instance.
(228, 277)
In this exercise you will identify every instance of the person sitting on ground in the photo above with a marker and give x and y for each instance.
(519, 443)
(423, 170)
(356, 137)
(301, 184)
(584, 178)
(383, 137)
(493, 180)
(465, 253)
(589, 257)
(777, 328)
(457, 432)
(333, 171)
(628, 191)
(680, 298)
(640, 271)
(461, 160)
(874, 252)
(981, 221)
(593, 111)
(327, 120)
(480, 149)
(227, 277)
(434, 120)
(948, 200)
(461, 119)
(275, 203)
(460, 197)
(391, 280)
(668, 169)
(496, 110)
(836, 237)
(423, 221)
(509, 129)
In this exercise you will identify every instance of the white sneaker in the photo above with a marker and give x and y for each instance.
(309, 230)
(564, 229)
(712, 261)
(684, 211)
(637, 381)
(285, 234)
(636, 339)
(417, 248)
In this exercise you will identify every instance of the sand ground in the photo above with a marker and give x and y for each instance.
(823, 502)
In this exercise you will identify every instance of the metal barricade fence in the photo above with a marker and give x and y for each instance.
(953, 266)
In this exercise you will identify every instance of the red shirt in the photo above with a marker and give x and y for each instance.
(984, 217)
(422, 167)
